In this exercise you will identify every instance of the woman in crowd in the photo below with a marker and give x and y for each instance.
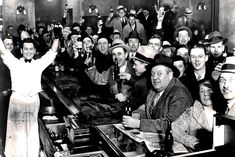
(194, 127)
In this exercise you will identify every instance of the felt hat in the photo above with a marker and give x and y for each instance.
(73, 32)
(161, 59)
(133, 34)
(120, 7)
(166, 44)
(214, 37)
(145, 54)
(227, 67)
(115, 32)
(119, 43)
(188, 11)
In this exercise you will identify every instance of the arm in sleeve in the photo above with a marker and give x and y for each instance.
(96, 77)
(177, 104)
(109, 22)
(181, 126)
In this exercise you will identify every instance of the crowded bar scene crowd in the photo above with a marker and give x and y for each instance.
(151, 70)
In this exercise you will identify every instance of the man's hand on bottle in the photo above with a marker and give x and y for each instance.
(128, 121)
(120, 97)
(124, 75)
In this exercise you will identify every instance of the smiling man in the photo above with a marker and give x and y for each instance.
(197, 70)
(227, 84)
(118, 88)
(22, 137)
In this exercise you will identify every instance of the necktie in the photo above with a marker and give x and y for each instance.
(123, 22)
(27, 60)
(155, 100)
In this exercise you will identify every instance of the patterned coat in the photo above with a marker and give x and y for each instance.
(185, 129)
(172, 103)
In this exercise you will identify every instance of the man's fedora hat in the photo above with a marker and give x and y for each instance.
(183, 28)
(73, 32)
(214, 37)
(166, 44)
(188, 11)
(115, 32)
(119, 43)
(227, 67)
(133, 34)
(145, 54)
(161, 59)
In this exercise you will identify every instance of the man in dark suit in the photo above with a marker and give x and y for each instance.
(166, 101)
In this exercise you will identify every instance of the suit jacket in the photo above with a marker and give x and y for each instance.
(172, 103)
(115, 23)
(138, 91)
(139, 28)
(106, 77)
(185, 129)
(190, 81)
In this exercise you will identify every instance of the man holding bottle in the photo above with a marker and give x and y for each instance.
(166, 100)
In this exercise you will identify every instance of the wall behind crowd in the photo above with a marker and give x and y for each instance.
(227, 21)
(80, 8)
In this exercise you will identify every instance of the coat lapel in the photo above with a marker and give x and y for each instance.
(199, 115)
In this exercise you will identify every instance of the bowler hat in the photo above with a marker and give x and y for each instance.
(214, 37)
(227, 67)
(145, 54)
(161, 59)
(119, 43)
(183, 28)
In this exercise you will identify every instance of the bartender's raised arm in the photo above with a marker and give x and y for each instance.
(55, 45)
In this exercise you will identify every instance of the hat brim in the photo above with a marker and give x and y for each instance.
(208, 42)
(183, 28)
(119, 45)
(176, 72)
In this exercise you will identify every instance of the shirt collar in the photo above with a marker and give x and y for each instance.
(231, 103)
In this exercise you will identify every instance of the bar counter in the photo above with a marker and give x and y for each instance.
(85, 120)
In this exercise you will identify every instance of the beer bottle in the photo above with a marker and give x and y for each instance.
(168, 141)
(116, 70)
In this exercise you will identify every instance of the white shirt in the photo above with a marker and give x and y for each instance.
(26, 77)
(123, 68)
(200, 77)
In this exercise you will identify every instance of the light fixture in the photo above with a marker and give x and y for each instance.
(20, 10)
(201, 6)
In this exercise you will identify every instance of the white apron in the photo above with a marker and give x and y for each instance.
(22, 136)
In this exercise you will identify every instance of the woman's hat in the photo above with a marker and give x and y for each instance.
(161, 59)
(119, 43)
(145, 54)
(214, 37)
